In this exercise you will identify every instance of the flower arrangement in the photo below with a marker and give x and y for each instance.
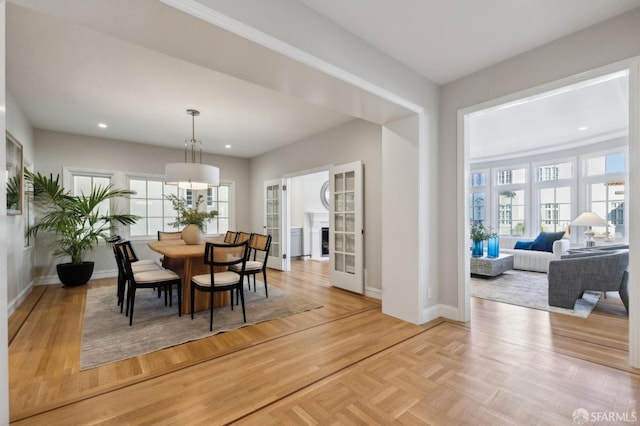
(190, 215)
(480, 232)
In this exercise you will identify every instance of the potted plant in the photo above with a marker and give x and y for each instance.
(191, 218)
(76, 221)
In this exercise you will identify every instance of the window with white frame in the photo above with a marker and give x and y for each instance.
(511, 210)
(84, 183)
(150, 203)
(555, 208)
(218, 199)
(477, 197)
(554, 186)
(605, 176)
(512, 195)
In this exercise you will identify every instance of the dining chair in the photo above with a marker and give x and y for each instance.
(154, 278)
(162, 235)
(138, 265)
(221, 255)
(242, 237)
(259, 247)
(230, 237)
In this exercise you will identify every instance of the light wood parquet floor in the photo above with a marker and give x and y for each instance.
(345, 363)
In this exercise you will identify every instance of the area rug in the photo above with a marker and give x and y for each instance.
(528, 289)
(107, 337)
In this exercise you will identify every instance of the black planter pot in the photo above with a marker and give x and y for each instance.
(73, 275)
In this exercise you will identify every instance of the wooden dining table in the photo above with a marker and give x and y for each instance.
(187, 260)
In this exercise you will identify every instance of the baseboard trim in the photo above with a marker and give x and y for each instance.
(440, 311)
(15, 303)
(375, 293)
(53, 279)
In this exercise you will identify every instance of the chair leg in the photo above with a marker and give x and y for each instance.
(244, 315)
(211, 312)
(128, 300)
(124, 285)
(193, 290)
(133, 302)
(254, 283)
(169, 289)
(264, 274)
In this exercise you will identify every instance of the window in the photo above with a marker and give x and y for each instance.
(607, 200)
(511, 212)
(218, 199)
(478, 179)
(477, 203)
(150, 204)
(477, 208)
(554, 172)
(605, 164)
(555, 208)
(605, 184)
(85, 183)
(512, 176)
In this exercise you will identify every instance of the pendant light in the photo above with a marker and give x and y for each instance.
(192, 174)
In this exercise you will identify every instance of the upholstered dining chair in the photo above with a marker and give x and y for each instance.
(216, 255)
(173, 264)
(230, 237)
(155, 278)
(259, 247)
(162, 235)
(137, 265)
(241, 237)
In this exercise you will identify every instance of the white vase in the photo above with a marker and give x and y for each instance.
(191, 234)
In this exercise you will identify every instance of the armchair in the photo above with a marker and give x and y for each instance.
(570, 276)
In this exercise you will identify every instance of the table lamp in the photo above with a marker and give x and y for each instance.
(589, 219)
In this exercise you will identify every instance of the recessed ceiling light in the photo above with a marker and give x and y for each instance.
(581, 128)
(227, 146)
(102, 125)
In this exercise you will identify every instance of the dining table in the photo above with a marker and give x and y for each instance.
(187, 260)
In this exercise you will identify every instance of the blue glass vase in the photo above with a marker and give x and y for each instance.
(477, 249)
(493, 247)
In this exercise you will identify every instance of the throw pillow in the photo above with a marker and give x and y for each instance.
(544, 241)
(523, 245)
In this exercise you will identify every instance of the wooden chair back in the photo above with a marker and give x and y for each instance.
(169, 235)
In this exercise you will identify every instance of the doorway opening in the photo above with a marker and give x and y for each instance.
(531, 161)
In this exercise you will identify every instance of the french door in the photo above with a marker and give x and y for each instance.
(275, 221)
(346, 227)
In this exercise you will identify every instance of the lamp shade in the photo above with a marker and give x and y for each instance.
(192, 175)
(589, 219)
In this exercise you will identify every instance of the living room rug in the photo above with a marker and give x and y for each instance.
(528, 289)
(107, 337)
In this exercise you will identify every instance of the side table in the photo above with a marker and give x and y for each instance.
(491, 266)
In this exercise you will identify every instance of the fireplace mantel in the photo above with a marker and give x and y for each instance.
(317, 221)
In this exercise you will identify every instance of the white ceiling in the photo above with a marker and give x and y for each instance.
(137, 66)
(445, 40)
(588, 112)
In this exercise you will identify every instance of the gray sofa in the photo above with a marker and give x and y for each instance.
(604, 271)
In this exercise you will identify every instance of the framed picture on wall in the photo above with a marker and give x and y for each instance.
(14, 173)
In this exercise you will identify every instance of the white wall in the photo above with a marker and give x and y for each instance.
(19, 259)
(56, 150)
(4, 339)
(356, 140)
(313, 39)
(596, 46)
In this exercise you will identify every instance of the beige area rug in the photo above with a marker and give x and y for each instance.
(528, 289)
(107, 337)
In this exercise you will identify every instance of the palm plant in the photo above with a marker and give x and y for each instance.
(76, 220)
